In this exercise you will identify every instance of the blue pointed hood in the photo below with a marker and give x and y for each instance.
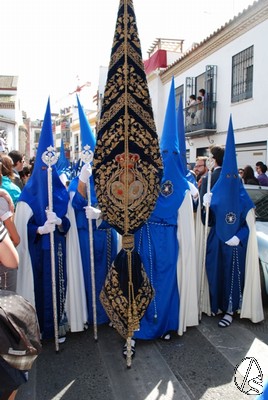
(86, 134)
(169, 139)
(87, 138)
(182, 145)
(230, 201)
(62, 164)
(173, 184)
(181, 136)
(35, 192)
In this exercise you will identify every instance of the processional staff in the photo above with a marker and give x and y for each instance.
(87, 157)
(50, 158)
(210, 165)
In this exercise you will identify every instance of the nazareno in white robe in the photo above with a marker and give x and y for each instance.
(75, 302)
(252, 307)
(187, 266)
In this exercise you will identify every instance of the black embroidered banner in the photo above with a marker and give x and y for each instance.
(127, 163)
(127, 170)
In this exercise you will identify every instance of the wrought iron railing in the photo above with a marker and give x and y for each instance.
(200, 117)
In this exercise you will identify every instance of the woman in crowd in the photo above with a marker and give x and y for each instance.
(248, 176)
(8, 177)
(9, 259)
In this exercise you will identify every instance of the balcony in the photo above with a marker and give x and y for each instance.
(200, 119)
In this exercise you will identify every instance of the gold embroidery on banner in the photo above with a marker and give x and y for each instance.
(132, 54)
(110, 113)
(126, 126)
(116, 304)
(142, 192)
(136, 185)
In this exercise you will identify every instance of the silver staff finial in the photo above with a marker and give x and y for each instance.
(49, 156)
(87, 154)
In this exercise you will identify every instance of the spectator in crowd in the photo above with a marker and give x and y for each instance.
(200, 169)
(18, 163)
(191, 110)
(6, 216)
(202, 94)
(199, 116)
(249, 177)
(8, 255)
(261, 170)
(8, 178)
(31, 162)
(9, 261)
(241, 172)
(25, 174)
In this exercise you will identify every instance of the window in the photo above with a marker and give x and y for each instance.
(200, 83)
(190, 88)
(242, 75)
(37, 135)
(203, 117)
(178, 94)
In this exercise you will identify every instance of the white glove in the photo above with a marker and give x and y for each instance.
(52, 218)
(193, 190)
(85, 173)
(207, 199)
(46, 228)
(92, 213)
(234, 241)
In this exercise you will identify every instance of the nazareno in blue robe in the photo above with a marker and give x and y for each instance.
(105, 250)
(229, 207)
(39, 249)
(35, 195)
(225, 266)
(156, 241)
(157, 244)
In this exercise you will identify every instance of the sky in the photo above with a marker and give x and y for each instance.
(56, 45)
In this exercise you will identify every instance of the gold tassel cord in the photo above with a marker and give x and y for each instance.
(131, 298)
(126, 123)
(133, 320)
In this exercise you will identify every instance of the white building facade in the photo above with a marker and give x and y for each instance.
(10, 114)
(231, 65)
